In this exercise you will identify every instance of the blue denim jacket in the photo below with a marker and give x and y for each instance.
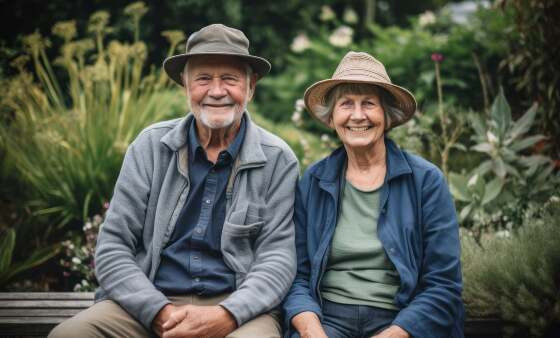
(419, 231)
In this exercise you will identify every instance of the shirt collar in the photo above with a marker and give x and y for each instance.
(233, 148)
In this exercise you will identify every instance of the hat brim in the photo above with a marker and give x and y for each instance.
(174, 65)
(314, 98)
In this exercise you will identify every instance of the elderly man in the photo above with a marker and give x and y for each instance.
(198, 240)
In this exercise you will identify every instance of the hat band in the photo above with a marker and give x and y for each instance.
(362, 77)
(217, 47)
(360, 73)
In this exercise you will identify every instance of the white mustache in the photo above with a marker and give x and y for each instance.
(218, 103)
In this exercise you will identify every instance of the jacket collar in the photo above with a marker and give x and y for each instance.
(329, 170)
(251, 151)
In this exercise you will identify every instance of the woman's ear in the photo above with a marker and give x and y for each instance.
(331, 124)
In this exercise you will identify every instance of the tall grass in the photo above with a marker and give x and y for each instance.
(66, 124)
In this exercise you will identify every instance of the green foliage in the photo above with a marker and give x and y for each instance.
(67, 148)
(516, 276)
(497, 192)
(503, 141)
(9, 268)
(468, 50)
(533, 59)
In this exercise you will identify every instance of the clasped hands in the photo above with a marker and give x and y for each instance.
(187, 321)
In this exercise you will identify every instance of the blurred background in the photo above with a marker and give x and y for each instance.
(80, 79)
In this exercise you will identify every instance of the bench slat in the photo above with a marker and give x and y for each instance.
(29, 321)
(50, 304)
(5, 313)
(46, 295)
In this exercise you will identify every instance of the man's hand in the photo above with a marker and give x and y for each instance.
(392, 331)
(308, 325)
(162, 316)
(199, 321)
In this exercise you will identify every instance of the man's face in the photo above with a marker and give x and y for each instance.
(218, 89)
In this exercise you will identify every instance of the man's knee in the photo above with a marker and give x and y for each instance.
(103, 319)
(263, 326)
(74, 327)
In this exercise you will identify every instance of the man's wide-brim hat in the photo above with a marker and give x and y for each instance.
(215, 39)
(359, 67)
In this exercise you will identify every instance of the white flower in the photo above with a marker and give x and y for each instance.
(327, 13)
(341, 37)
(426, 18)
(76, 260)
(472, 180)
(491, 137)
(350, 16)
(296, 117)
(300, 43)
(325, 138)
(554, 199)
(503, 234)
(87, 226)
(300, 104)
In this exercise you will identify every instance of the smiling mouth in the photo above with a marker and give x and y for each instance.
(218, 105)
(359, 129)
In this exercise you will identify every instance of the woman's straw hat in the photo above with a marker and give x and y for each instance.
(358, 68)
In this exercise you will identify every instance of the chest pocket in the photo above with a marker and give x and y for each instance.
(238, 236)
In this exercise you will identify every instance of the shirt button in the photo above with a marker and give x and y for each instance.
(197, 279)
(198, 230)
(208, 201)
(392, 250)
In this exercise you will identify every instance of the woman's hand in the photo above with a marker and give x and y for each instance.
(308, 325)
(392, 331)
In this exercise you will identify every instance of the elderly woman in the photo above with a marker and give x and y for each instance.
(376, 231)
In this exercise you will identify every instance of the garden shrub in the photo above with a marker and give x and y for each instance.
(516, 275)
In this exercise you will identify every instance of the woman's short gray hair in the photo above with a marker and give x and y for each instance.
(392, 113)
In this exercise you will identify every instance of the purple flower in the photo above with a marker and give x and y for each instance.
(437, 57)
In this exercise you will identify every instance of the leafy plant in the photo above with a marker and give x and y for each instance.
(515, 277)
(67, 145)
(504, 140)
(10, 268)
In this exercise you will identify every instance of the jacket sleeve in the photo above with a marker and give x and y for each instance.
(274, 265)
(437, 302)
(115, 265)
(299, 297)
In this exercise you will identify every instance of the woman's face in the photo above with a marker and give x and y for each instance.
(359, 120)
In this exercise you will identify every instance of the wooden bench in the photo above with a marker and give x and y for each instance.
(35, 314)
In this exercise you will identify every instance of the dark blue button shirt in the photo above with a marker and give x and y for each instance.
(192, 261)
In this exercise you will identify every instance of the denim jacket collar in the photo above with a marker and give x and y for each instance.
(329, 170)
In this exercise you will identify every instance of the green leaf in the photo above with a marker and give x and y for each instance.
(7, 243)
(499, 167)
(483, 147)
(458, 187)
(478, 125)
(501, 114)
(492, 190)
(465, 212)
(526, 142)
(524, 123)
(37, 258)
(484, 167)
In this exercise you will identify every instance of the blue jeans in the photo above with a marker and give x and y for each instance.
(353, 321)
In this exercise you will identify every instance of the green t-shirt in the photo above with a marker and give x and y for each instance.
(358, 269)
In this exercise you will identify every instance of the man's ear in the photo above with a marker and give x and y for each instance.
(252, 85)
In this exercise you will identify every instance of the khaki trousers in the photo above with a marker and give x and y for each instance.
(107, 319)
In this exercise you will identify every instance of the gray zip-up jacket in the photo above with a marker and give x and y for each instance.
(257, 240)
